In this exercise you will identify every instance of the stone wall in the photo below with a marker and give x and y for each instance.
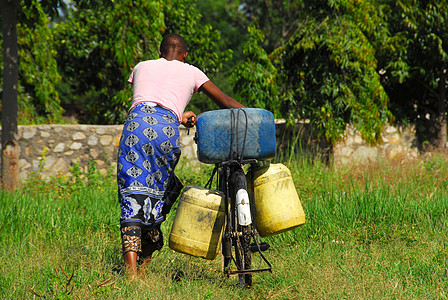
(54, 148)
(397, 143)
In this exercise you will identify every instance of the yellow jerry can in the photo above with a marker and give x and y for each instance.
(198, 225)
(277, 206)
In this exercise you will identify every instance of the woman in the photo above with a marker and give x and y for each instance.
(149, 148)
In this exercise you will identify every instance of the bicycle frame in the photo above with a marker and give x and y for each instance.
(239, 229)
(234, 224)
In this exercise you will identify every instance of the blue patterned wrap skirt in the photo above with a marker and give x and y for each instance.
(148, 153)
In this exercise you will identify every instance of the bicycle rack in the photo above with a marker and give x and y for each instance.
(251, 271)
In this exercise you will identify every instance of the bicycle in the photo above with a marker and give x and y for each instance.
(240, 238)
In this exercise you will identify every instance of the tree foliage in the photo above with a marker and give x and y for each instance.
(38, 100)
(99, 47)
(419, 93)
(327, 69)
(183, 18)
(333, 62)
(354, 62)
(231, 21)
(254, 78)
(277, 19)
(93, 45)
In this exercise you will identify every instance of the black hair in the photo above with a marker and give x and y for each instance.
(173, 43)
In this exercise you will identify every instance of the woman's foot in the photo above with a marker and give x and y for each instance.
(143, 266)
(130, 262)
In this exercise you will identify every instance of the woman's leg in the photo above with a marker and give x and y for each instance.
(152, 240)
(131, 245)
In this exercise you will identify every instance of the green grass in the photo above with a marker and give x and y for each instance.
(373, 232)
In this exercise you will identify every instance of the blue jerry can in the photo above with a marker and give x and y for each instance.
(243, 133)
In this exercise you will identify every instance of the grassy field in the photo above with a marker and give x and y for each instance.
(374, 232)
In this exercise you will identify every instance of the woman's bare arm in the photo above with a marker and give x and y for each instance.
(221, 99)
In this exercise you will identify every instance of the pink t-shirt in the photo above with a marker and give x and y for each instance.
(168, 83)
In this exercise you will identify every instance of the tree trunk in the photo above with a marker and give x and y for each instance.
(10, 148)
(442, 139)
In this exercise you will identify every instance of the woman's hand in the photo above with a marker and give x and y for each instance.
(189, 119)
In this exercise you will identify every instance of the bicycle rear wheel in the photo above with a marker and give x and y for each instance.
(241, 242)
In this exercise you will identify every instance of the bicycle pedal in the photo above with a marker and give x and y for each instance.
(263, 247)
